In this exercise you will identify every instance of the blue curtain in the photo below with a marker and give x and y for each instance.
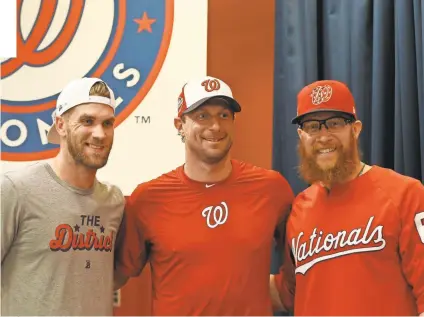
(376, 48)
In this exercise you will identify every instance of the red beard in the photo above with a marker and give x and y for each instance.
(345, 166)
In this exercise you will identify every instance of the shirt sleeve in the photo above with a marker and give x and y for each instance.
(285, 197)
(411, 240)
(11, 211)
(285, 279)
(131, 250)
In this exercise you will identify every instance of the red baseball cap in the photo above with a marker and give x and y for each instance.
(197, 91)
(325, 95)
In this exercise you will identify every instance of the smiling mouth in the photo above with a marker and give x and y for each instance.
(213, 140)
(95, 147)
(326, 151)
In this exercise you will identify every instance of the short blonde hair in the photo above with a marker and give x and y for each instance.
(100, 89)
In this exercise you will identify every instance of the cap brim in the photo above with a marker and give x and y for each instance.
(52, 135)
(234, 105)
(298, 118)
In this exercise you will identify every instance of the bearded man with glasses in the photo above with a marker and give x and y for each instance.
(355, 237)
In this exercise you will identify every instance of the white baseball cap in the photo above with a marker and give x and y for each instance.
(76, 93)
(197, 91)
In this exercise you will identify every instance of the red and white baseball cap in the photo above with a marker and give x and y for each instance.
(76, 93)
(325, 95)
(197, 91)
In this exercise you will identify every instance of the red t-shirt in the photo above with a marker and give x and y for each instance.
(358, 249)
(210, 244)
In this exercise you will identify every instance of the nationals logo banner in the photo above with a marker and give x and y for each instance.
(145, 50)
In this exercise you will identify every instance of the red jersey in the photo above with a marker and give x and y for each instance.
(358, 249)
(209, 244)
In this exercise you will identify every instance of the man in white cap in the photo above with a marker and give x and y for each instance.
(206, 227)
(59, 222)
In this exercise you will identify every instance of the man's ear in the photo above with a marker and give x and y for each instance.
(299, 132)
(60, 126)
(357, 128)
(178, 124)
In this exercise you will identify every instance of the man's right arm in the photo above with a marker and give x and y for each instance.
(131, 252)
(11, 208)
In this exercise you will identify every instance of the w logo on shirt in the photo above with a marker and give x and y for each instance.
(216, 215)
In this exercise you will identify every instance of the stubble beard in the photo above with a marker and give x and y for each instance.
(76, 149)
(212, 159)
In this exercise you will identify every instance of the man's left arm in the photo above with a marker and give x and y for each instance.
(411, 241)
(131, 246)
(285, 197)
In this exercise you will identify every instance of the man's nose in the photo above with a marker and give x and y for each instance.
(98, 132)
(323, 134)
(215, 124)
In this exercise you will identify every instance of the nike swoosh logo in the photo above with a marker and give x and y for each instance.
(207, 186)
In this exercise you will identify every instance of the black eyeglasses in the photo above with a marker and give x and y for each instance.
(333, 125)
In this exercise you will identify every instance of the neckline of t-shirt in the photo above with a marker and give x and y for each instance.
(209, 185)
(66, 185)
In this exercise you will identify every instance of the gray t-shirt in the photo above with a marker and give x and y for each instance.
(57, 244)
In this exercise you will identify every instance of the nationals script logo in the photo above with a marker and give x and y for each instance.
(122, 42)
(333, 246)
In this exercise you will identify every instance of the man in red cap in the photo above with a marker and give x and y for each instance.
(206, 227)
(355, 237)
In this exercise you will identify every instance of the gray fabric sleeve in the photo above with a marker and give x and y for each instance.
(11, 211)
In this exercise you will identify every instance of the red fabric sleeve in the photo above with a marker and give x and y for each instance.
(285, 197)
(130, 250)
(411, 240)
(285, 280)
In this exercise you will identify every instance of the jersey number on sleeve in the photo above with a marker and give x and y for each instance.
(419, 222)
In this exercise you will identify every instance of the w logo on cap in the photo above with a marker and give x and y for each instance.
(321, 94)
(211, 85)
